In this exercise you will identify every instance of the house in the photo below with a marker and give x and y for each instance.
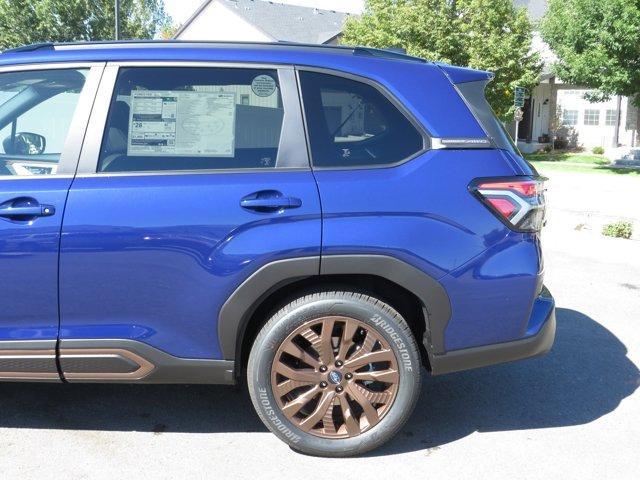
(557, 106)
(551, 106)
(262, 21)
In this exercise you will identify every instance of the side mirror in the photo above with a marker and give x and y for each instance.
(25, 143)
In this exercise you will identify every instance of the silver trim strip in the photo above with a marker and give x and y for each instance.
(201, 64)
(459, 143)
(292, 153)
(48, 66)
(97, 121)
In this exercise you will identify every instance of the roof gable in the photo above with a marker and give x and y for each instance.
(282, 22)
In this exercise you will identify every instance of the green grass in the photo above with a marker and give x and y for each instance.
(544, 167)
(570, 157)
(564, 161)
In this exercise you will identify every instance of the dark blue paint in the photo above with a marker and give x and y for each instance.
(421, 212)
(463, 75)
(29, 261)
(154, 257)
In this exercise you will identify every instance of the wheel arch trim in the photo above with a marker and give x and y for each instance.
(237, 311)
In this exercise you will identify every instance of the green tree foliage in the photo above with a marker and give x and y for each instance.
(484, 34)
(597, 44)
(33, 21)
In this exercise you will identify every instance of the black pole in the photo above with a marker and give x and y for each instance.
(117, 6)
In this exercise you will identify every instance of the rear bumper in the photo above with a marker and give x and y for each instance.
(539, 339)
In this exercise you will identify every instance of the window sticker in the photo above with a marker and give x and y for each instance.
(180, 123)
(263, 85)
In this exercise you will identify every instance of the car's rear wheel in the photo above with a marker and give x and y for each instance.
(334, 373)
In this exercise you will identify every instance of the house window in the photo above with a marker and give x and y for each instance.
(611, 118)
(244, 100)
(592, 117)
(570, 117)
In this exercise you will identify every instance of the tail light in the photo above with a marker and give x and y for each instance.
(517, 201)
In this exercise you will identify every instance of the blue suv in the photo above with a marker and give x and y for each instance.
(322, 221)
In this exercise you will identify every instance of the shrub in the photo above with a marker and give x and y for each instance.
(618, 230)
(560, 143)
(598, 150)
(548, 148)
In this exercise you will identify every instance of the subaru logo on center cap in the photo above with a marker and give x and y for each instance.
(335, 377)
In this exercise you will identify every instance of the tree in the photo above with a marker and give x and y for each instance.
(33, 21)
(484, 34)
(597, 44)
(168, 31)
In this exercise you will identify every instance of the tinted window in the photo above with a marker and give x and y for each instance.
(351, 123)
(36, 109)
(193, 119)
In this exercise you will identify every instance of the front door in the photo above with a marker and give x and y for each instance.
(202, 177)
(43, 114)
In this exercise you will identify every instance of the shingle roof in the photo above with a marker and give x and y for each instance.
(283, 22)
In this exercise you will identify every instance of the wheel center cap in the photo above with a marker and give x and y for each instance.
(335, 377)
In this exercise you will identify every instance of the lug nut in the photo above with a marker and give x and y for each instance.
(339, 363)
(349, 376)
(323, 384)
(339, 389)
(323, 368)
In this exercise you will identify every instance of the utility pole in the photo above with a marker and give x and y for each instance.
(117, 6)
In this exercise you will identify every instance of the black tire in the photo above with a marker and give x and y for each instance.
(384, 320)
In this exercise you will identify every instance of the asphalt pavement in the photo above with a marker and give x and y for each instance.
(573, 414)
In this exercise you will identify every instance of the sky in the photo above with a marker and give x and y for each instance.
(181, 10)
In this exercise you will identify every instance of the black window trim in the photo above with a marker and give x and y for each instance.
(292, 136)
(426, 136)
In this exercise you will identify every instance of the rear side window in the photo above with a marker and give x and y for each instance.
(178, 118)
(352, 124)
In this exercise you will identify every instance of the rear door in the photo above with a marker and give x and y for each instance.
(44, 111)
(201, 177)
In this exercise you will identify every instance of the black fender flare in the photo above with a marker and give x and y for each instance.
(242, 303)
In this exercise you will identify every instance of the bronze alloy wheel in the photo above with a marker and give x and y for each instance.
(335, 377)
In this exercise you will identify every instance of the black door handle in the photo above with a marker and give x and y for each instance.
(19, 209)
(269, 201)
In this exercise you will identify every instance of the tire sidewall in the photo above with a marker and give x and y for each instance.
(374, 315)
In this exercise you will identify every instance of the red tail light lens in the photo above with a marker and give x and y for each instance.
(518, 201)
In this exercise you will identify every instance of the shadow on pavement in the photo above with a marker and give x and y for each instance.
(586, 375)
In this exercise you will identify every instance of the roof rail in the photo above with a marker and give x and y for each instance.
(31, 48)
(393, 53)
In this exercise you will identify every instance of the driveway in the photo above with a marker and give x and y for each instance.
(572, 414)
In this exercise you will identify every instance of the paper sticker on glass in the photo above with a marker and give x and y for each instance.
(263, 86)
(181, 123)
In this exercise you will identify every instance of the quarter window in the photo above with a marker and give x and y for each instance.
(569, 117)
(36, 109)
(353, 124)
(591, 117)
(177, 118)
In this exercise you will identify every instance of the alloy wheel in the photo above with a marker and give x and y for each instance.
(335, 377)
